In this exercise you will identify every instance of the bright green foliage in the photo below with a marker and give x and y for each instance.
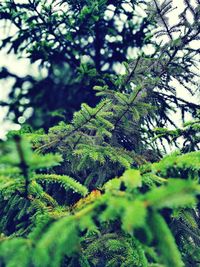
(132, 179)
(53, 244)
(52, 235)
(166, 243)
(33, 161)
(22, 194)
(160, 197)
(65, 181)
(175, 165)
(17, 250)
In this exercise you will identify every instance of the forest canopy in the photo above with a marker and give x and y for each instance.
(89, 179)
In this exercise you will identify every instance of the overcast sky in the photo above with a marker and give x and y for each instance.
(22, 67)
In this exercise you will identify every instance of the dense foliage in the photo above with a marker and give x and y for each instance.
(101, 191)
(121, 224)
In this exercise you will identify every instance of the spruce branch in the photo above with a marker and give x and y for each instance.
(76, 128)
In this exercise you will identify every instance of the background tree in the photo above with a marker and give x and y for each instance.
(78, 43)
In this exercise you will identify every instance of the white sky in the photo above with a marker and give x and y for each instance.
(22, 67)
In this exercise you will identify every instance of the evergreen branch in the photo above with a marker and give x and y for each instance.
(193, 105)
(163, 20)
(118, 120)
(76, 129)
(64, 180)
(131, 75)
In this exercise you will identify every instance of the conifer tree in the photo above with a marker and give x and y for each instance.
(101, 190)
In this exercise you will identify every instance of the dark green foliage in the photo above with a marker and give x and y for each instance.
(115, 250)
(78, 44)
(109, 195)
